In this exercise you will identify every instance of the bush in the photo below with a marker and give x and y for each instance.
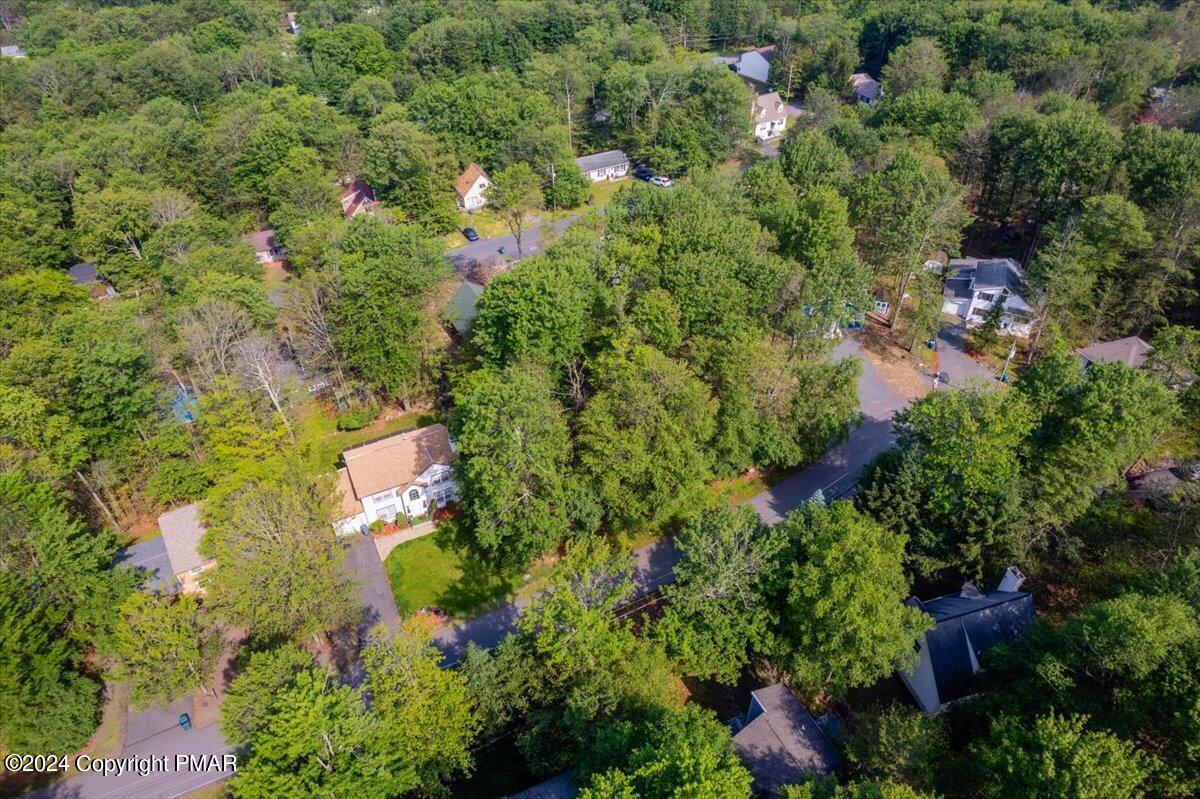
(358, 417)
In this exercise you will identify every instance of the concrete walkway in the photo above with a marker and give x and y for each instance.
(385, 544)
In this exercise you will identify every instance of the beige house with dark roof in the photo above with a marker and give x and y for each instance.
(182, 529)
(402, 474)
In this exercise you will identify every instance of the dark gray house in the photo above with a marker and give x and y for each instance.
(780, 742)
(965, 624)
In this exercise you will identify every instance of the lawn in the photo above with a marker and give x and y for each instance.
(437, 570)
(322, 443)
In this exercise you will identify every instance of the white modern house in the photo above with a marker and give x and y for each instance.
(469, 188)
(964, 625)
(756, 63)
(404, 474)
(866, 88)
(769, 116)
(976, 284)
(608, 165)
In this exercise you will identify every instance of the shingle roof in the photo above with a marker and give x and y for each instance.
(562, 786)
(358, 196)
(182, 530)
(150, 557)
(998, 273)
(768, 107)
(865, 86)
(263, 240)
(1131, 350)
(462, 306)
(589, 163)
(396, 460)
(83, 273)
(784, 742)
(767, 51)
(467, 179)
(965, 626)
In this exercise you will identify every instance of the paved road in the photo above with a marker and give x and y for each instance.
(531, 243)
(159, 784)
(835, 475)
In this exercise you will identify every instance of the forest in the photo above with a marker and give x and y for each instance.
(633, 377)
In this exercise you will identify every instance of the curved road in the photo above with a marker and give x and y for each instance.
(834, 475)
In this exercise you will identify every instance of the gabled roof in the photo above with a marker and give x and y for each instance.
(782, 743)
(1130, 350)
(767, 51)
(151, 558)
(769, 107)
(999, 273)
(462, 309)
(589, 163)
(356, 197)
(966, 624)
(181, 532)
(396, 460)
(865, 86)
(467, 179)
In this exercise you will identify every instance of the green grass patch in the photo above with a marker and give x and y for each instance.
(737, 490)
(437, 570)
(322, 443)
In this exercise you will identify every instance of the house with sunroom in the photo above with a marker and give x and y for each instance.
(401, 476)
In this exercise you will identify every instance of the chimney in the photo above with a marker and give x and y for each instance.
(970, 591)
(1011, 581)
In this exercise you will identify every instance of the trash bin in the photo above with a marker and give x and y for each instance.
(185, 721)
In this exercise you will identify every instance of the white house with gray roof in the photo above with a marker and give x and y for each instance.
(608, 165)
(769, 116)
(976, 284)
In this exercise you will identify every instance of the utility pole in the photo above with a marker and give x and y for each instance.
(1012, 351)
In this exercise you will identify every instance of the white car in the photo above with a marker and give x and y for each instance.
(662, 180)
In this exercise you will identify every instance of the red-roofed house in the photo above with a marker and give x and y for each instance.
(470, 186)
(358, 198)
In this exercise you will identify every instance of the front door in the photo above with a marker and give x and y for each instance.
(414, 501)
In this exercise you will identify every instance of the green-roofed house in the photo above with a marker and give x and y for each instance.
(461, 310)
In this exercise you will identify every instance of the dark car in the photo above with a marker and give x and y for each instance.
(643, 172)
(470, 233)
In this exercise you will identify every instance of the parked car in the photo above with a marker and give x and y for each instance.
(662, 180)
(470, 233)
(642, 172)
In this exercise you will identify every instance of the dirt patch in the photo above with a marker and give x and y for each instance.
(897, 367)
(206, 707)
